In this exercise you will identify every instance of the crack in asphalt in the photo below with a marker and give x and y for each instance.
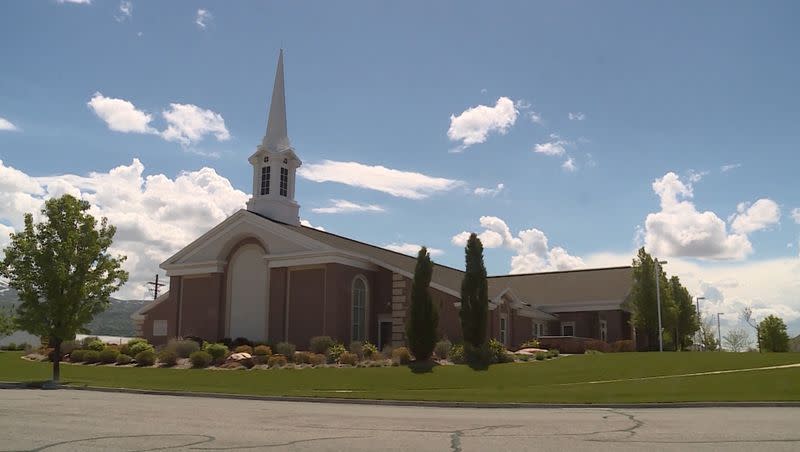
(206, 439)
(288, 443)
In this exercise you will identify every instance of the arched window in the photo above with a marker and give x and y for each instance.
(359, 314)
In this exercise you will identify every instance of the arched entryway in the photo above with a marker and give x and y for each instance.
(247, 293)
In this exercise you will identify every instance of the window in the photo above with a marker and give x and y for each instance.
(603, 330)
(538, 329)
(265, 173)
(503, 328)
(567, 328)
(284, 181)
(359, 309)
(159, 327)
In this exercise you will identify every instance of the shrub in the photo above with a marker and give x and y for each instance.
(183, 348)
(77, 356)
(442, 349)
(498, 352)
(240, 341)
(126, 347)
(169, 357)
(321, 344)
(243, 349)
(262, 350)
(217, 351)
(477, 357)
(276, 361)
(96, 345)
(87, 340)
(302, 357)
(196, 339)
(530, 343)
(200, 359)
(109, 355)
(123, 359)
(318, 359)
(285, 349)
(138, 346)
(623, 346)
(227, 341)
(357, 348)
(370, 351)
(591, 352)
(146, 358)
(10, 346)
(66, 347)
(348, 358)
(456, 354)
(334, 352)
(553, 351)
(598, 345)
(523, 357)
(540, 356)
(260, 359)
(401, 355)
(91, 356)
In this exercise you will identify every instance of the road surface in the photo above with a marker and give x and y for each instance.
(70, 420)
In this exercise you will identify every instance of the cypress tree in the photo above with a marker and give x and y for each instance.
(474, 295)
(423, 317)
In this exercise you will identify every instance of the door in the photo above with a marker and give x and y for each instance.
(384, 334)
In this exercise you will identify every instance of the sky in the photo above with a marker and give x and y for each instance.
(567, 134)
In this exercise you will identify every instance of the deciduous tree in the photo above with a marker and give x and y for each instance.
(423, 317)
(643, 301)
(772, 334)
(737, 339)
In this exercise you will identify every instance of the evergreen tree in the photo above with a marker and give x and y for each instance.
(423, 318)
(772, 334)
(474, 295)
(62, 271)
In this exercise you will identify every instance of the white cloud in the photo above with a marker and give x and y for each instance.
(187, 124)
(730, 166)
(696, 176)
(125, 11)
(155, 215)
(554, 148)
(533, 253)
(308, 224)
(77, 2)
(680, 230)
(203, 18)
(412, 249)
(796, 215)
(576, 116)
(535, 117)
(6, 125)
(344, 206)
(490, 192)
(474, 125)
(569, 165)
(403, 184)
(760, 215)
(120, 115)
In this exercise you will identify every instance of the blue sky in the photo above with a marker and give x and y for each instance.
(659, 89)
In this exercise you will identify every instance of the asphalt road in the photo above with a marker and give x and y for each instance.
(69, 420)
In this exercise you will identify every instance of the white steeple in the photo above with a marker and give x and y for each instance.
(275, 163)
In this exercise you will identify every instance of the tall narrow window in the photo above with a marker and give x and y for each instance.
(284, 181)
(359, 309)
(603, 330)
(265, 173)
(503, 328)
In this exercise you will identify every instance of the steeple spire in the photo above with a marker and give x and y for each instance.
(277, 138)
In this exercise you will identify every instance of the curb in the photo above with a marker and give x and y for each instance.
(414, 403)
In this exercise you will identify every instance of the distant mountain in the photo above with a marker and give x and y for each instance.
(114, 321)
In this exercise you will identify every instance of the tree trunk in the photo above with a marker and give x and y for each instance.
(56, 361)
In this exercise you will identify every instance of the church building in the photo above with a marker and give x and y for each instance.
(263, 276)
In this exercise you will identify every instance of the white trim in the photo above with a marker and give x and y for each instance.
(572, 324)
(195, 268)
(316, 258)
(583, 306)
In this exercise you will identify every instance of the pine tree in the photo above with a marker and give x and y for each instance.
(423, 318)
(474, 295)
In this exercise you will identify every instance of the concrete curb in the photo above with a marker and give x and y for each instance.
(417, 403)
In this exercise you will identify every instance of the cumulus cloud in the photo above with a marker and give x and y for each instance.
(679, 229)
(412, 249)
(553, 148)
(403, 184)
(796, 215)
(760, 215)
(473, 125)
(531, 248)
(203, 18)
(489, 192)
(6, 125)
(729, 167)
(344, 206)
(155, 215)
(308, 224)
(576, 116)
(188, 124)
(125, 11)
(569, 165)
(120, 115)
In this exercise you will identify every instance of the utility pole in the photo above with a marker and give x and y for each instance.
(658, 301)
(719, 332)
(156, 285)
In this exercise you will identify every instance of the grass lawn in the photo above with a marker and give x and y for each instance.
(563, 380)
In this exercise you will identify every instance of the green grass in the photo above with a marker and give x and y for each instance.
(519, 382)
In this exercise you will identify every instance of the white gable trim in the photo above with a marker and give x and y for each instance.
(317, 257)
(599, 305)
(194, 268)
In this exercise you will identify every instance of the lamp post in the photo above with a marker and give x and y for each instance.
(658, 302)
(699, 319)
(719, 332)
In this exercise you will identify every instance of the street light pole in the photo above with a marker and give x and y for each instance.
(699, 319)
(719, 332)
(658, 302)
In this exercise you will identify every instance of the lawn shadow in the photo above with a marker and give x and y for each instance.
(422, 367)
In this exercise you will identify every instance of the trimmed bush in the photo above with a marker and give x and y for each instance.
(66, 347)
(553, 351)
(123, 359)
(285, 348)
(623, 346)
(109, 355)
(227, 341)
(96, 345)
(321, 344)
(240, 341)
(217, 351)
(370, 351)
(200, 359)
(262, 350)
(598, 345)
(91, 356)
(357, 348)
(523, 357)
(334, 352)
(442, 349)
(277, 361)
(401, 355)
(348, 358)
(243, 349)
(456, 354)
(87, 340)
(590, 352)
(540, 356)
(169, 357)
(530, 343)
(498, 352)
(138, 346)
(260, 359)
(183, 348)
(77, 356)
(146, 358)
(302, 357)
(318, 359)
